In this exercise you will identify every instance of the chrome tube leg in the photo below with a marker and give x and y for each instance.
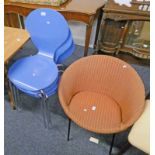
(13, 94)
(69, 126)
(43, 110)
(18, 99)
(11, 88)
(61, 66)
(15, 97)
(112, 143)
(48, 114)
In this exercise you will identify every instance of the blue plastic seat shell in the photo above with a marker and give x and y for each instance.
(48, 29)
(33, 73)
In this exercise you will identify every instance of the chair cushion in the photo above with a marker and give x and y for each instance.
(44, 2)
(95, 112)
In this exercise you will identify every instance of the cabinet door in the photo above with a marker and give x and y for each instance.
(138, 38)
(110, 35)
(11, 20)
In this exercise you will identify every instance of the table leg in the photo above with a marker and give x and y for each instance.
(87, 38)
(22, 21)
(100, 14)
(8, 88)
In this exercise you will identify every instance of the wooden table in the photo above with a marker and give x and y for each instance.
(14, 39)
(85, 11)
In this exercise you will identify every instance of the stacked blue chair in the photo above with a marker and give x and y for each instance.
(38, 75)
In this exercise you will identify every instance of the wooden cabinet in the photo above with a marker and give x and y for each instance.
(126, 29)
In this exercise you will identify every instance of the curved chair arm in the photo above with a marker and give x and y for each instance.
(66, 87)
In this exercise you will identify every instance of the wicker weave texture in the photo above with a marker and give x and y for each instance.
(102, 94)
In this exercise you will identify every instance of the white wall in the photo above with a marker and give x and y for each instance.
(78, 31)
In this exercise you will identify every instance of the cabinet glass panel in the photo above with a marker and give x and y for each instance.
(138, 35)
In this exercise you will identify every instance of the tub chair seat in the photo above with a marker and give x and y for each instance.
(94, 112)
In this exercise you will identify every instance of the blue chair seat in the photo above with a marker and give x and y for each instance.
(33, 73)
(50, 91)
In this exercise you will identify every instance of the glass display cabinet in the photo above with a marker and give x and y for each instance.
(126, 29)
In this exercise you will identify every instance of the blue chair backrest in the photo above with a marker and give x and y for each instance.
(64, 47)
(48, 30)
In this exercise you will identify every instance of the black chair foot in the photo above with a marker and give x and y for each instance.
(14, 108)
(112, 143)
(69, 125)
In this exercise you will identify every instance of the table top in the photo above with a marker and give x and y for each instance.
(82, 6)
(14, 38)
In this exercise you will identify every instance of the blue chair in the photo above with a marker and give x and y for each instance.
(38, 75)
(65, 51)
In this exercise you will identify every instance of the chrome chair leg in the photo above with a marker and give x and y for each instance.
(45, 110)
(18, 95)
(48, 114)
(18, 99)
(13, 94)
(61, 67)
